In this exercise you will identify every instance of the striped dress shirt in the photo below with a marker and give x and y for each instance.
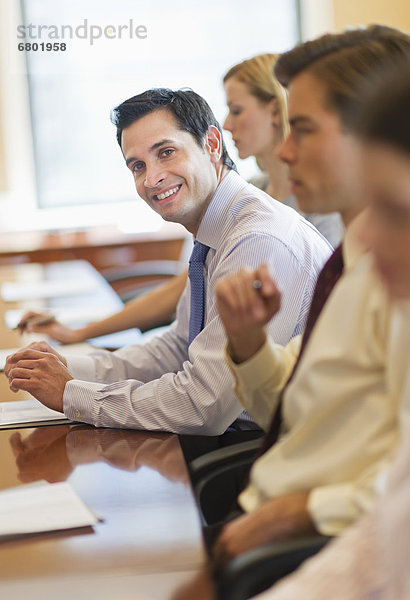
(170, 386)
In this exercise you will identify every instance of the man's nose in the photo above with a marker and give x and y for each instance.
(227, 123)
(286, 151)
(154, 175)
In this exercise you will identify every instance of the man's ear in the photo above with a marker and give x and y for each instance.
(275, 111)
(213, 143)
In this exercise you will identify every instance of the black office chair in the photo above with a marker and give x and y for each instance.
(138, 278)
(218, 477)
(253, 572)
(134, 279)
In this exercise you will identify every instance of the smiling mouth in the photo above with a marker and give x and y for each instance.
(168, 193)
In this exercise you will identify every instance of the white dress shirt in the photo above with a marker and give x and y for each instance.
(166, 385)
(370, 560)
(330, 225)
(346, 569)
(340, 411)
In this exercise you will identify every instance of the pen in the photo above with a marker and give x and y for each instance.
(35, 320)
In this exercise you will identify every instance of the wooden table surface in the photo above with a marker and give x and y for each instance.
(135, 481)
(149, 540)
(99, 297)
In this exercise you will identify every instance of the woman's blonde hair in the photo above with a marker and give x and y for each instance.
(257, 74)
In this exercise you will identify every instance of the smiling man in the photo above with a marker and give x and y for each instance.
(181, 195)
(179, 382)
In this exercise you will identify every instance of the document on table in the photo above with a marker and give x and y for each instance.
(29, 509)
(15, 291)
(80, 348)
(4, 354)
(28, 413)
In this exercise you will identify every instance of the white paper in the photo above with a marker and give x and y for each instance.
(24, 487)
(15, 291)
(49, 507)
(4, 354)
(80, 348)
(26, 411)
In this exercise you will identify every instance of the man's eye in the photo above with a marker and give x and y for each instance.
(300, 131)
(138, 166)
(167, 152)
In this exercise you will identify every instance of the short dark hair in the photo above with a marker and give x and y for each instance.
(385, 116)
(342, 61)
(192, 114)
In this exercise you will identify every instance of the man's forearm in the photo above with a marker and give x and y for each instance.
(260, 380)
(149, 310)
(242, 348)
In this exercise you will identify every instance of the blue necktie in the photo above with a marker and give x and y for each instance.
(196, 277)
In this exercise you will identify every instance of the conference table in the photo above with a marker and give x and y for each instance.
(148, 542)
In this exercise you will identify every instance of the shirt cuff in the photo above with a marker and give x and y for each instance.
(79, 401)
(265, 366)
(332, 508)
(81, 367)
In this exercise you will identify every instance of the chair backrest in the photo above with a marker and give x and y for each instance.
(255, 571)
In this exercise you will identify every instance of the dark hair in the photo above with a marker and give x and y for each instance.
(192, 113)
(385, 116)
(342, 61)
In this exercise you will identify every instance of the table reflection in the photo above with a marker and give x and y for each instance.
(53, 452)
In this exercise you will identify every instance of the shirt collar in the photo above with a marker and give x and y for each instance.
(353, 246)
(213, 222)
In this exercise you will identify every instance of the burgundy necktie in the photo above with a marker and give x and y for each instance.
(326, 281)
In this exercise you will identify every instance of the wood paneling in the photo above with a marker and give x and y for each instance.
(395, 13)
(102, 247)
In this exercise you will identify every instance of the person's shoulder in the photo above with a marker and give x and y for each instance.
(362, 280)
(260, 180)
(329, 225)
(253, 207)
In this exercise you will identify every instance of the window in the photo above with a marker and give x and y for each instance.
(113, 50)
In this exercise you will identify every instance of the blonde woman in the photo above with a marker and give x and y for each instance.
(258, 122)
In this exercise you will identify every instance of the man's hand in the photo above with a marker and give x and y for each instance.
(200, 588)
(42, 347)
(53, 328)
(42, 454)
(41, 371)
(277, 519)
(246, 302)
